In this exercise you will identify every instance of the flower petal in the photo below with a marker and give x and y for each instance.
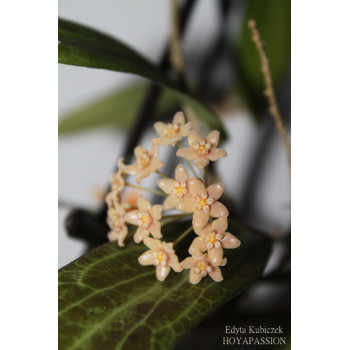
(187, 153)
(143, 204)
(201, 162)
(230, 241)
(200, 219)
(174, 263)
(155, 229)
(170, 202)
(197, 247)
(213, 137)
(220, 225)
(180, 173)
(215, 190)
(188, 262)
(146, 258)
(179, 118)
(122, 236)
(195, 278)
(132, 217)
(155, 164)
(113, 235)
(216, 154)
(162, 272)
(186, 205)
(140, 234)
(152, 243)
(218, 210)
(186, 129)
(139, 151)
(193, 137)
(154, 151)
(156, 212)
(216, 274)
(166, 185)
(159, 127)
(215, 256)
(131, 169)
(195, 187)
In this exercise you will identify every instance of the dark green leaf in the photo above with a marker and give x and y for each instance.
(108, 301)
(82, 46)
(118, 109)
(273, 19)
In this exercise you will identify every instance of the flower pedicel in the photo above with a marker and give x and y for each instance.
(189, 195)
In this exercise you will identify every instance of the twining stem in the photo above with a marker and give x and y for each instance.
(145, 189)
(269, 92)
(161, 174)
(183, 235)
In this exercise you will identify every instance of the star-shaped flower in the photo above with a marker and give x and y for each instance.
(116, 221)
(213, 238)
(146, 163)
(201, 150)
(176, 189)
(199, 268)
(203, 202)
(171, 133)
(162, 255)
(146, 218)
(117, 179)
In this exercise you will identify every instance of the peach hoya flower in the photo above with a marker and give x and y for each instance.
(199, 268)
(116, 221)
(171, 133)
(117, 180)
(146, 218)
(202, 150)
(146, 163)
(203, 202)
(213, 238)
(176, 189)
(162, 255)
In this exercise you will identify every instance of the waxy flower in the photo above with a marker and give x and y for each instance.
(213, 238)
(201, 267)
(117, 179)
(171, 133)
(203, 202)
(116, 221)
(162, 255)
(146, 218)
(176, 189)
(201, 150)
(146, 163)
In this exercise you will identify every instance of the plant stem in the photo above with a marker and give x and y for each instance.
(183, 235)
(161, 174)
(145, 189)
(205, 179)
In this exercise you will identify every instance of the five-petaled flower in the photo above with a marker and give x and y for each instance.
(146, 218)
(162, 255)
(203, 202)
(117, 180)
(176, 189)
(199, 268)
(171, 133)
(213, 238)
(146, 163)
(202, 150)
(116, 221)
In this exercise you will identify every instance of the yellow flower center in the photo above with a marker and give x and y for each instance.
(213, 240)
(172, 130)
(143, 161)
(203, 202)
(202, 267)
(144, 219)
(160, 257)
(202, 147)
(180, 189)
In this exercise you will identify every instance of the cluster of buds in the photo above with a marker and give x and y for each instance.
(189, 195)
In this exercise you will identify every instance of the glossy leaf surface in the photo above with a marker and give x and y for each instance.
(108, 301)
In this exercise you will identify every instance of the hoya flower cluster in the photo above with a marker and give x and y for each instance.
(189, 195)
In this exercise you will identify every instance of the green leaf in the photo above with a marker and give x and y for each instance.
(118, 109)
(273, 19)
(107, 300)
(82, 46)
